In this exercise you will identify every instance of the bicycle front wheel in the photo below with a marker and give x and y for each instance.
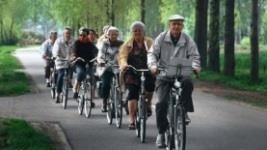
(88, 101)
(65, 92)
(118, 108)
(110, 106)
(81, 100)
(143, 120)
(180, 131)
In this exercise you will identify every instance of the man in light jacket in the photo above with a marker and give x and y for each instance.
(61, 51)
(170, 46)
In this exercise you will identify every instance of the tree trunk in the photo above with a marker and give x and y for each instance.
(107, 12)
(112, 13)
(143, 11)
(201, 30)
(229, 39)
(214, 36)
(254, 70)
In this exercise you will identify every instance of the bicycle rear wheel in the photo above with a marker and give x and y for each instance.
(180, 130)
(88, 101)
(81, 100)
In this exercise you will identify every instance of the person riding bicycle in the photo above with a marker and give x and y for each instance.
(103, 36)
(92, 36)
(46, 49)
(107, 54)
(61, 51)
(170, 45)
(86, 50)
(134, 52)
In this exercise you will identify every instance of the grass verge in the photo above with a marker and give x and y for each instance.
(12, 82)
(18, 134)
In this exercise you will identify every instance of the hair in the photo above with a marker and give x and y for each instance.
(83, 29)
(91, 30)
(67, 28)
(112, 28)
(137, 24)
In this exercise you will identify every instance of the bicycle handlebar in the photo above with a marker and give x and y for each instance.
(138, 70)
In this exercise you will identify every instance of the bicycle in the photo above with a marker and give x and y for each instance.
(85, 99)
(141, 112)
(52, 78)
(114, 104)
(176, 134)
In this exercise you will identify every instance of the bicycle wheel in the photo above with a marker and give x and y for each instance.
(65, 92)
(170, 139)
(53, 85)
(180, 129)
(88, 101)
(137, 121)
(143, 120)
(81, 100)
(118, 108)
(110, 106)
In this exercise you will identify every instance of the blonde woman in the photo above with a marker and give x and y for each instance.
(134, 52)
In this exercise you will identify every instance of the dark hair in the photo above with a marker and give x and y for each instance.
(91, 30)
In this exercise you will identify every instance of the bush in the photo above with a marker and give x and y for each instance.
(31, 38)
(245, 42)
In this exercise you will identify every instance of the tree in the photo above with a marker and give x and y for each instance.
(143, 10)
(214, 36)
(201, 30)
(254, 42)
(229, 39)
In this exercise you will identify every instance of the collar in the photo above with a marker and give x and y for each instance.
(181, 41)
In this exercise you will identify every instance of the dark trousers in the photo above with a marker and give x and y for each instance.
(106, 84)
(163, 88)
(48, 65)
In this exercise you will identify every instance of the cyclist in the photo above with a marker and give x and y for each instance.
(134, 52)
(61, 51)
(108, 51)
(92, 36)
(103, 36)
(169, 45)
(87, 51)
(46, 48)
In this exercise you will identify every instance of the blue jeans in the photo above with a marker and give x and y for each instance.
(60, 75)
(81, 72)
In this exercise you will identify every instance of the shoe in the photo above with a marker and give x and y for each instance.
(149, 111)
(70, 85)
(48, 84)
(187, 119)
(92, 104)
(57, 98)
(104, 109)
(160, 142)
(131, 126)
(75, 95)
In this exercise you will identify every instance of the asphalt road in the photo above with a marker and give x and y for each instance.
(217, 124)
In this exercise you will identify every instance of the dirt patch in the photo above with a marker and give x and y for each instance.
(255, 98)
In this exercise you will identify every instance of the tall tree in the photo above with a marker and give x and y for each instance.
(143, 10)
(201, 29)
(254, 42)
(214, 36)
(229, 39)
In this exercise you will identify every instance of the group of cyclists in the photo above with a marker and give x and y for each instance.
(139, 51)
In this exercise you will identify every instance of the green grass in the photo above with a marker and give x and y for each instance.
(19, 135)
(12, 82)
(242, 72)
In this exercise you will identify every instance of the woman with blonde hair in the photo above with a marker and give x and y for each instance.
(134, 52)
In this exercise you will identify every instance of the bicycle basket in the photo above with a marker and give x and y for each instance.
(180, 67)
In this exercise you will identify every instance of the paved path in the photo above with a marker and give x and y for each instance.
(217, 124)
